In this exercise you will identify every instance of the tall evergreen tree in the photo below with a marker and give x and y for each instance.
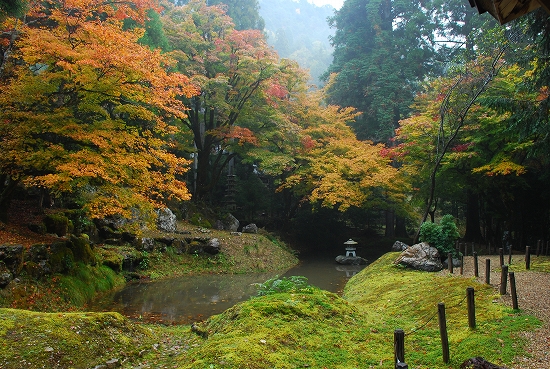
(382, 49)
(244, 13)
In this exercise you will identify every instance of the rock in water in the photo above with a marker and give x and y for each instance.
(350, 260)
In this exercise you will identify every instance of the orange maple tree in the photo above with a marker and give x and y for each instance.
(88, 111)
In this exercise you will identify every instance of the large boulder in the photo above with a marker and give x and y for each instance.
(399, 246)
(421, 256)
(250, 228)
(228, 223)
(212, 246)
(166, 220)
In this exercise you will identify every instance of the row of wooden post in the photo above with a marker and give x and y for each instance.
(462, 247)
(399, 334)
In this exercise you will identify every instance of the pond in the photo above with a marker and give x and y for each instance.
(184, 300)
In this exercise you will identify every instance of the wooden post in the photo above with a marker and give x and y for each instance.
(513, 291)
(461, 264)
(488, 271)
(443, 331)
(476, 267)
(501, 254)
(399, 346)
(503, 279)
(450, 262)
(527, 257)
(471, 308)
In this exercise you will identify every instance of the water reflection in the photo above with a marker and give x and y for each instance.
(187, 299)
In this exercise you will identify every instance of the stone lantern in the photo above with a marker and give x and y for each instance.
(350, 247)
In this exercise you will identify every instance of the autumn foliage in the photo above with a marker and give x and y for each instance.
(88, 111)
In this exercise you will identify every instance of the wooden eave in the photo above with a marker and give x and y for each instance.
(507, 10)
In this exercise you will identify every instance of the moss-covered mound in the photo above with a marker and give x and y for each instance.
(298, 328)
(392, 297)
(319, 329)
(67, 340)
(286, 330)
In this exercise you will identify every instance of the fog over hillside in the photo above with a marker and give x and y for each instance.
(299, 30)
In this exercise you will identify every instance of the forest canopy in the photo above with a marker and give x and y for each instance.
(428, 108)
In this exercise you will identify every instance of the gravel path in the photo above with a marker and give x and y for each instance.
(533, 291)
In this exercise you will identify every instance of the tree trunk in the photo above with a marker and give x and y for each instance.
(473, 229)
(7, 187)
(400, 227)
(390, 223)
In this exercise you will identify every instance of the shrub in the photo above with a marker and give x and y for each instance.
(442, 236)
(290, 284)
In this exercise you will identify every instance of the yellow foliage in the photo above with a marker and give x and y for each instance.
(88, 110)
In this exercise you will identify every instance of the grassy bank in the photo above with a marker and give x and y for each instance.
(239, 254)
(301, 327)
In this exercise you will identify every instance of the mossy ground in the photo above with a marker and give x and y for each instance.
(311, 328)
(68, 340)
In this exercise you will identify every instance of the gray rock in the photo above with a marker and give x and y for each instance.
(12, 257)
(479, 363)
(37, 253)
(230, 223)
(456, 262)
(5, 276)
(113, 363)
(250, 228)
(350, 260)
(399, 246)
(421, 257)
(166, 220)
(144, 244)
(212, 246)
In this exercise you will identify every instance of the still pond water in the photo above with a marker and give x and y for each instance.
(184, 300)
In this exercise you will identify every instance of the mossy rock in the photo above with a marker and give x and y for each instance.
(82, 250)
(37, 252)
(111, 258)
(58, 224)
(62, 258)
(34, 270)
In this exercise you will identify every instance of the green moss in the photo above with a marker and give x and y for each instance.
(82, 252)
(67, 340)
(85, 282)
(58, 224)
(318, 329)
(283, 330)
(61, 259)
(304, 327)
(110, 258)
